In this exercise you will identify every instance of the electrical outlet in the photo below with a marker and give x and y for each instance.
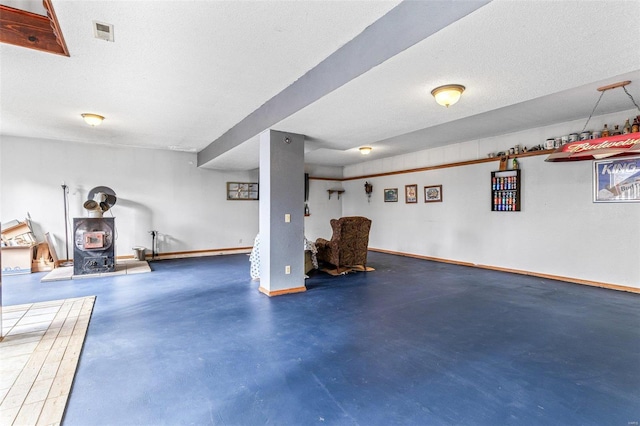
(287, 269)
(287, 218)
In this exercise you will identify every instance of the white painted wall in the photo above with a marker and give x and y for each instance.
(322, 209)
(559, 231)
(156, 190)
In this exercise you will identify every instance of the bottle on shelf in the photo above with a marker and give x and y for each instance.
(605, 131)
(616, 131)
(635, 128)
(626, 129)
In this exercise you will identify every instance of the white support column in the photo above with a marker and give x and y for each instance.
(281, 213)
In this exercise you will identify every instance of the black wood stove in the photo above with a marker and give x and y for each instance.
(93, 245)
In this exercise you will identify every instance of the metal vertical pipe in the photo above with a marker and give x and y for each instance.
(66, 221)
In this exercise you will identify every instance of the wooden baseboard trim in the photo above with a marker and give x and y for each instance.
(192, 253)
(281, 292)
(517, 271)
(418, 256)
(563, 278)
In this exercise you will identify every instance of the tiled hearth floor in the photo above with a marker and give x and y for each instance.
(38, 359)
(123, 267)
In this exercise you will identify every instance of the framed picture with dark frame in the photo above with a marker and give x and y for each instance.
(433, 194)
(391, 195)
(411, 194)
(242, 191)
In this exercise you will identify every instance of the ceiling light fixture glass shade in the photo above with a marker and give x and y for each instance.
(365, 150)
(92, 119)
(448, 95)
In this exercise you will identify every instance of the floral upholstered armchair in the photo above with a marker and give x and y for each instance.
(349, 243)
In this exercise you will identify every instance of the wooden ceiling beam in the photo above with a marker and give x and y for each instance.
(33, 31)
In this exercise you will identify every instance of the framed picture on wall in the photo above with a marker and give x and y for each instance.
(411, 193)
(242, 191)
(433, 193)
(391, 195)
(617, 180)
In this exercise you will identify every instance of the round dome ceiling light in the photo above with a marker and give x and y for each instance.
(92, 119)
(448, 95)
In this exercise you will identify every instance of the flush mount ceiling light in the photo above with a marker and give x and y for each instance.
(448, 95)
(92, 119)
(365, 150)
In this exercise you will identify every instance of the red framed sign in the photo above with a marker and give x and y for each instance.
(598, 149)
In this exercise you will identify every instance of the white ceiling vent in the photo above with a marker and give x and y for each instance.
(103, 31)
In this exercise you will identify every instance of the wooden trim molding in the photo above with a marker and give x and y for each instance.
(236, 250)
(614, 85)
(326, 178)
(55, 26)
(565, 279)
(31, 30)
(449, 165)
(517, 271)
(419, 256)
(192, 253)
(424, 169)
(282, 292)
(439, 166)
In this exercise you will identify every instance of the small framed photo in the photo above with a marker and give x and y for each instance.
(391, 195)
(411, 194)
(433, 193)
(242, 191)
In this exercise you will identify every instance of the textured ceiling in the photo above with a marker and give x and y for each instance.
(33, 6)
(179, 74)
(182, 73)
(527, 69)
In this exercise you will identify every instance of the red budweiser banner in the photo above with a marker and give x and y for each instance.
(596, 149)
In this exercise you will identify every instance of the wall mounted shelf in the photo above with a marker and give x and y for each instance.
(338, 191)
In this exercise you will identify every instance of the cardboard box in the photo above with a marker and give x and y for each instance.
(42, 259)
(18, 235)
(16, 260)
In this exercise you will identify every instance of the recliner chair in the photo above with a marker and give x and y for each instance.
(348, 245)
